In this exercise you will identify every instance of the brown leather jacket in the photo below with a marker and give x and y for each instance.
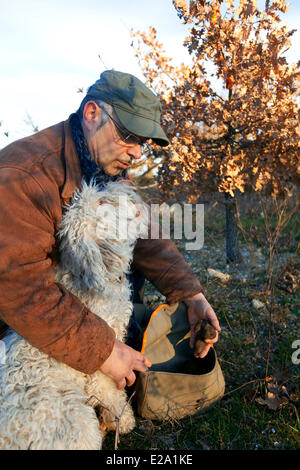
(38, 174)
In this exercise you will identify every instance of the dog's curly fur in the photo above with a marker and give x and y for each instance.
(44, 403)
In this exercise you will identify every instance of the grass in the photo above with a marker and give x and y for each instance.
(260, 408)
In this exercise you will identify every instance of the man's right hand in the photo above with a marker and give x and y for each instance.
(121, 363)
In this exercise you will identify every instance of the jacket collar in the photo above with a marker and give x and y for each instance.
(73, 169)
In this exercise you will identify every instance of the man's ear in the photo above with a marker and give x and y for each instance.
(91, 115)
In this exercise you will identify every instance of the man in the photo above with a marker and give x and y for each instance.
(38, 175)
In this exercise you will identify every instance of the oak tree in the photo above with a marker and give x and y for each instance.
(232, 111)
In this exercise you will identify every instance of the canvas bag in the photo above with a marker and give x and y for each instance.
(166, 391)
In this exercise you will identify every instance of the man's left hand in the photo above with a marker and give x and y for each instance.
(200, 309)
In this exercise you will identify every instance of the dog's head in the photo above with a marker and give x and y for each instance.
(98, 232)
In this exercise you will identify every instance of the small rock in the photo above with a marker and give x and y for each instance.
(218, 274)
(257, 304)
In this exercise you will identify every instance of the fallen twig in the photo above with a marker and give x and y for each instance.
(117, 435)
(117, 418)
(244, 385)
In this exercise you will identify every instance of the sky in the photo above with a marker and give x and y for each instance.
(50, 49)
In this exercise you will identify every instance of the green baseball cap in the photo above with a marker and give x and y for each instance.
(137, 108)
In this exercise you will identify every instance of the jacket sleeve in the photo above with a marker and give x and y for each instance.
(45, 313)
(165, 267)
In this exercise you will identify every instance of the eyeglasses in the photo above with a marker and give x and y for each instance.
(125, 135)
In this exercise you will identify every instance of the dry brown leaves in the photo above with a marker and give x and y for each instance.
(277, 395)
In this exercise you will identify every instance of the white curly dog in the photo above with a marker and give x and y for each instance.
(44, 404)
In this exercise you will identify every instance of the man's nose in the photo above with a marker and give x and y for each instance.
(135, 151)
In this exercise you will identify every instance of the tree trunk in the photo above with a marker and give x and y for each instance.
(232, 249)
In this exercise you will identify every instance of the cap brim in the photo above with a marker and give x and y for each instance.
(142, 126)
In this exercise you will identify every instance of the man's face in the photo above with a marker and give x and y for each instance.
(106, 146)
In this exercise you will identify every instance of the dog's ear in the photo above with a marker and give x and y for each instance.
(80, 253)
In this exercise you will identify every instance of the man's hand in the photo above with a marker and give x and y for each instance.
(121, 363)
(200, 309)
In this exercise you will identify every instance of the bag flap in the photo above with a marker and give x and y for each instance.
(166, 338)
